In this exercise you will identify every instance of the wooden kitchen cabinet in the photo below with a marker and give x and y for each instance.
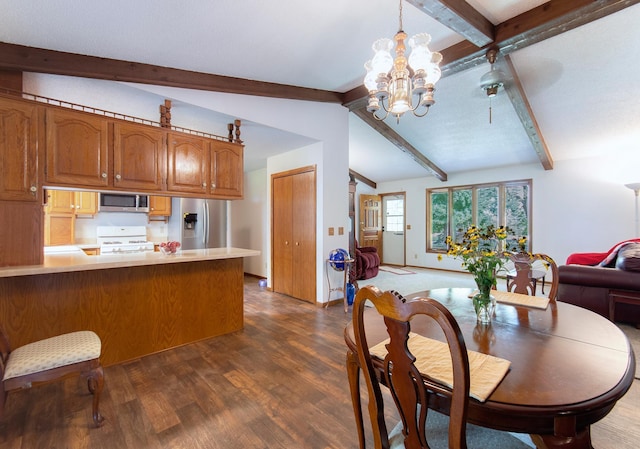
(77, 151)
(159, 206)
(59, 229)
(61, 202)
(189, 159)
(227, 169)
(204, 166)
(60, 214)
(59, 218)
(70, 202)
(19, 140)
(86, 203)
(138, 157)
(21, 136)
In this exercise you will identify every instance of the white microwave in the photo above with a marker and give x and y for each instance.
(122, 202)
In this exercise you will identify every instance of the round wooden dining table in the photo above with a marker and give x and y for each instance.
(569, 366)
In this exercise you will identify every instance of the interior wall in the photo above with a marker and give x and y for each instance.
(581, 205)
(250, 226)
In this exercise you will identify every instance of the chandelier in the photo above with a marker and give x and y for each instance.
(394, 84)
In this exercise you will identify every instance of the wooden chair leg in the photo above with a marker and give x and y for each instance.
(353, 373)
(95, 382)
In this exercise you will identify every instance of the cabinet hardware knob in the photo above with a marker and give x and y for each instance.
(118, 177)
(104, 175)
(204, 185)
(286, 242)
(33, 189)
(213, 186)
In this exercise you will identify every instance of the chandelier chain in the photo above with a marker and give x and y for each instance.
(400, 21)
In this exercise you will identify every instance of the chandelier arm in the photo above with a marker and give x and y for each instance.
(420, 115)
(383, 105)
(375, 116)
(418, 103)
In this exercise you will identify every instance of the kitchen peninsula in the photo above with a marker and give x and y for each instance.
(137, 303)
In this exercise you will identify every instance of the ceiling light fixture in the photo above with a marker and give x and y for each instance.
(392, 83)
(492, 80)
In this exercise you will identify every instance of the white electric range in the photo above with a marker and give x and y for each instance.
(122, 239)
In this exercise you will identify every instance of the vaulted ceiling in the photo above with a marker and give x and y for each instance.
(571, 66)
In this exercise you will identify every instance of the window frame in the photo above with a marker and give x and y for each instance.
(502, 201)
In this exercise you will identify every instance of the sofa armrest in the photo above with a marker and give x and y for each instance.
(368, 249)
(611, 278)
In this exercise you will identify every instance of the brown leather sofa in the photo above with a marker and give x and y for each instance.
(612, 292)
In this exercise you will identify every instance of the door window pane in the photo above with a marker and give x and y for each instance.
(394, 215)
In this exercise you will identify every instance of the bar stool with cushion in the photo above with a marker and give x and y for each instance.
(52, 359)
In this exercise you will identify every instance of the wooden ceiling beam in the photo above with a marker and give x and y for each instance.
(31, 59)
(460, 17)
(543, 22)
(362, 178)
(520, 103)
(401, 143)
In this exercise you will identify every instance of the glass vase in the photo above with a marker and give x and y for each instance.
(483, 302)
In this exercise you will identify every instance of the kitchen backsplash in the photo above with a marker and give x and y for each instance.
(85, 229)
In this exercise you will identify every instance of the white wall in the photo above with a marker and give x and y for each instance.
(581, 205)
(250, 219)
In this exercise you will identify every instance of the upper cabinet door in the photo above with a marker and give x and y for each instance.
(86, 203)
(61, 202)
(138, 157)
(19, 135)
(77, 152)
(188, 164)
(227, 169)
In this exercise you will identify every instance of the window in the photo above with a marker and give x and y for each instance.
(394, 218)
(450, 211)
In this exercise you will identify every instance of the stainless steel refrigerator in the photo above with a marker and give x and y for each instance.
(198, 223)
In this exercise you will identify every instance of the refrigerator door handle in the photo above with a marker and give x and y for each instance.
(205, 224)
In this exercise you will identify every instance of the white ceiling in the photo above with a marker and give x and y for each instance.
(582, 85)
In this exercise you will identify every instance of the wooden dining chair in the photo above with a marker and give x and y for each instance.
(400, 373)
(528, 268)
(53, 359)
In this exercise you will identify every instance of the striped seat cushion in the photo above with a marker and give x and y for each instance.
(52, 353)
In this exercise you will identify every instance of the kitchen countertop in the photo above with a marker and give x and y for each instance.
(79, 261)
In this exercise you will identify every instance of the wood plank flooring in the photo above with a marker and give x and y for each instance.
(262, 387)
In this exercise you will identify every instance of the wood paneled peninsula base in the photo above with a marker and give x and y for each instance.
(145, 307)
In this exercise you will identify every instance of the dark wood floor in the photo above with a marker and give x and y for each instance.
(263, 387)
